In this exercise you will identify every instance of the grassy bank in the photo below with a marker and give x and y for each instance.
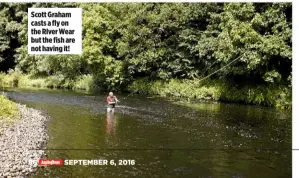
(8, 110)
(17, 79)
(267, 95)
(276, 96)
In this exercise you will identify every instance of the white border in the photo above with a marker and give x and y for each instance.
(295, 163)
(295, 78)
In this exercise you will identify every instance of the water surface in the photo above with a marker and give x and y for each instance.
(166, 138)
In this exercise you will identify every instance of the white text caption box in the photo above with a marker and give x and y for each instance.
(54, 30)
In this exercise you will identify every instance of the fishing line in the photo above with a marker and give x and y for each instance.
(220, 69)
(216, 71)
(128, 95)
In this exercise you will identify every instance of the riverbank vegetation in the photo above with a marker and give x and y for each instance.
(8, 111)
(236, 52)
(277, 96)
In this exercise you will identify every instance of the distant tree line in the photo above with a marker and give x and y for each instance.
(123, 42)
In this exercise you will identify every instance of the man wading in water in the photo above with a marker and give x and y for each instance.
(111, 100)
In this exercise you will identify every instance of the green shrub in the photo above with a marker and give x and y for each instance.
(13, 79)
(39, 83)
(10, 79)
(55, 81)
(8, 110)
(277, 96)
(268, 95)
(84, 82)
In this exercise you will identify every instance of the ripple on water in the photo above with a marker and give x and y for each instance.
(203, 140)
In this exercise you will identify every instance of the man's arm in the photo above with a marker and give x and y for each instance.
(116, 99)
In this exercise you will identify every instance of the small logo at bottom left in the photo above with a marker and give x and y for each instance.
(50, 162)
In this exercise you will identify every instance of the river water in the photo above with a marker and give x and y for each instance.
(164, 137)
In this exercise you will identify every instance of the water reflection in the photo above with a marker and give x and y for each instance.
(111, 122)
(208, 140)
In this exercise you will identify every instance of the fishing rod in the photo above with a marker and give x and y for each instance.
(128, 95)
(119, 107)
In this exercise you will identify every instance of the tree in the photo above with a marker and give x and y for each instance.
(260, 34)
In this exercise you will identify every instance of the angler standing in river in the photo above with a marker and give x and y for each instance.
(111, 101)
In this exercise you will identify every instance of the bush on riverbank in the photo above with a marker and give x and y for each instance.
(18, 79)
(8, 110)
(277, 96)
(84, 82)
(268, 95)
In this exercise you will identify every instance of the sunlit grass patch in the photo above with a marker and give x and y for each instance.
(276, 96)
(9, 111)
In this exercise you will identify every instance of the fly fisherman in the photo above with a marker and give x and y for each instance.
(111, 101)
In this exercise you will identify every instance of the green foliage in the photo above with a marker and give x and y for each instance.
(172, 45)
(8, 110)
(188, 89)
(259, 33)
(28, 81)
(84, 82)
(271, 76)
(279, 97)
(10, 15)
(12, 78)
(16, 79)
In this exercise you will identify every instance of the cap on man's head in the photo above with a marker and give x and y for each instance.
(110, 93)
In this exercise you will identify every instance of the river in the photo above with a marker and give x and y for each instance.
(165, 138)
